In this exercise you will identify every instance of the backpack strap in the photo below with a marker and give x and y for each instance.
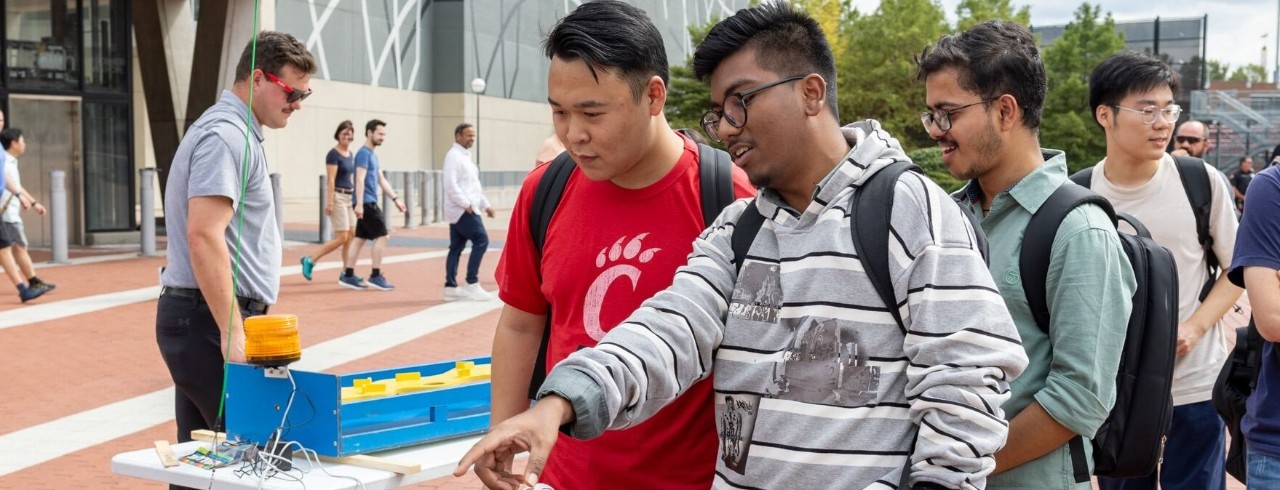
(715, 172)
(1037, 243)
(744, 232)
(546, 198)
(1037, 248)
(1195, 182)
(869, 212)
(1083, 178)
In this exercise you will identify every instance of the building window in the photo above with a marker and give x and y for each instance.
(106, 45)
(41, 49)
(107, 168)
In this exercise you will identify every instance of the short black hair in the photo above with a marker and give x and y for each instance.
(612, 35)
(993, 58)
(343, 126)
(786, 41)
(8, 136)
(274, 51)
(372, 125)
(461, 127)
(1125, 73)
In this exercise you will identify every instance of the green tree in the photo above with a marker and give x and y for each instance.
(687, 97)
(1252, 72)
(1218, 70)
(971, 12)
(828, 13)
(1068, 122)
(877, 73)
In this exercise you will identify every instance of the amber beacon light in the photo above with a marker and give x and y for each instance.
(271, 340)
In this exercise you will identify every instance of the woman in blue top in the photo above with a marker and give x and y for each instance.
(340, 164)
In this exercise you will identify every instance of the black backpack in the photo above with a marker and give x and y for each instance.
(1130, 442)
(1236, 381)
(869, 215)
(1195, 182)
(715, 176)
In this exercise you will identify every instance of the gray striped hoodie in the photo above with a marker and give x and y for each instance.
(816, 386)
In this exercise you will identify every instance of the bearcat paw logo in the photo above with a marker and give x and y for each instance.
(615, 254)
(629, 252)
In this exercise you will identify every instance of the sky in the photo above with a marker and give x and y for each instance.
(1235, 31)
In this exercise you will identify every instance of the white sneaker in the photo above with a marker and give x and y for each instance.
(453, 294)
(476, 293)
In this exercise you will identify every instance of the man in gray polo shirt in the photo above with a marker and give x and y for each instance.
(210, 182)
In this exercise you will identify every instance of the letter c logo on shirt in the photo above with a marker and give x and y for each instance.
(594, 301)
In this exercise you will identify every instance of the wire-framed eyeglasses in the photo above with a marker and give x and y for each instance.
(1170, 113)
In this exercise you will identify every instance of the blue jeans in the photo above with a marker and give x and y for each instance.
(1195, 456)
(468, 228)
(1264, 471)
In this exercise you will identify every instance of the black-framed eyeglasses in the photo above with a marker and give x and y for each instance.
(1170, 113)
(291, 94)
(942, 118)
(734, 110)
(1188, 140)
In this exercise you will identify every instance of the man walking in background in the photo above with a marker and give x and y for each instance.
(371, 224)
(463, 203)
(13, 142)
(15, 146)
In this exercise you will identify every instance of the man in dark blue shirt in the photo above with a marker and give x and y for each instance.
(1256, 266)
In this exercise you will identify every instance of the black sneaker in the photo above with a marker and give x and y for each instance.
(44, 286)
(27, 294)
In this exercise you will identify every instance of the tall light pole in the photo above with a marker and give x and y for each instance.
(477, 86)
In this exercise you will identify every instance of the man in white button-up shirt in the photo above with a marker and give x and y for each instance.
(463, 203)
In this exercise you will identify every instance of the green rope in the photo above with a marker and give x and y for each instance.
(244, 185)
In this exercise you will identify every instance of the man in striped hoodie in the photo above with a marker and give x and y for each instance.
(816, 385)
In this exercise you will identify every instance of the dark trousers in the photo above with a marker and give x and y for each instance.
(1194, 456)
(468, 228)
(191, 346)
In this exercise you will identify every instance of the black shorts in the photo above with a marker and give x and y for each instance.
(373, 225)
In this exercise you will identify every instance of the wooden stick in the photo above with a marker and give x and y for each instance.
(167, 458)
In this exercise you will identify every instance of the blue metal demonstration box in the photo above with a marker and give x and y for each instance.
(319, 420)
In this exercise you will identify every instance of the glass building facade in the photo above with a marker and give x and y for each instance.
(66, 84)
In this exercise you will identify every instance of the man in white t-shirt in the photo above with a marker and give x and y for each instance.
(1132, 99)
(11, 201)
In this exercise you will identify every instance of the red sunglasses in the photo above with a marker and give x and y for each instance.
(291, 94)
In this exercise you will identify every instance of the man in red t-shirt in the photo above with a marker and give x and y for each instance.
(628, 217)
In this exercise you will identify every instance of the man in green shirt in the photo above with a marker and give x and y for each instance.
(985, 92)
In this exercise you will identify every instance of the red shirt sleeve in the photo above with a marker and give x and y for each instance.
(519, 281)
